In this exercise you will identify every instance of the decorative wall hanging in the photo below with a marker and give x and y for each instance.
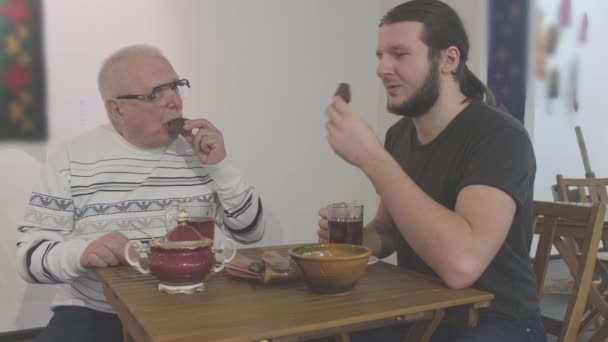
(22, 91)
(508, 54)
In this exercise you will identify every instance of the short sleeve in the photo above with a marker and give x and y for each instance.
(503, 160)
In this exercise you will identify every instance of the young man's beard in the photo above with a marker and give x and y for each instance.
(423, 99)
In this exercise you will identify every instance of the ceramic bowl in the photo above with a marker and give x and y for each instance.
(331, 268)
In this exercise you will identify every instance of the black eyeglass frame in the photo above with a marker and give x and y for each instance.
(152, 96)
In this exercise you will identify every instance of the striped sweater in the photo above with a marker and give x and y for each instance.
(99, 183)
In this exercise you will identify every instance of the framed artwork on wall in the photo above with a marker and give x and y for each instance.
(22, 83)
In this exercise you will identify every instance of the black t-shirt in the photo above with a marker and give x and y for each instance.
(483, 146)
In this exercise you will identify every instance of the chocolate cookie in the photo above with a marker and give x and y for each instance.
(176, 126)
(343, 91)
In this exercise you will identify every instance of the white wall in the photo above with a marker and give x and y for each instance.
(15, 312)
(262, 71)
(554, 121)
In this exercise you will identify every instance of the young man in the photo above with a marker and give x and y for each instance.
(112, 184)
(455, 177)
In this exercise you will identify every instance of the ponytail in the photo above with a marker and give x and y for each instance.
(473, 88)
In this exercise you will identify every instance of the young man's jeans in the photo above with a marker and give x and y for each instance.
(495, 329)
(487, 330)
(79, 324)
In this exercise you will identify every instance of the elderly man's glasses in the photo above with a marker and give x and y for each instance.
(162, 92)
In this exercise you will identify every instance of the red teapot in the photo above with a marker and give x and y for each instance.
(180, 260)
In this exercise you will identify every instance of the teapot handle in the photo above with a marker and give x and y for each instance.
(139, 247)
(222, 246)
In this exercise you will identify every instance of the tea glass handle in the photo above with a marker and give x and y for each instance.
(170, 217)
(217, 217)
(223, 245)
(139, 247)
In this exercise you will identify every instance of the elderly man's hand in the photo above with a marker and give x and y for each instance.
(208, 142)
(107, 250)
(323, 230)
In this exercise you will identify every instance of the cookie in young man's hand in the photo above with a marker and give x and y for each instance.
(343, 91)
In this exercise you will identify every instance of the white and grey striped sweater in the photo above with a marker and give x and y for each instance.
(100, 183)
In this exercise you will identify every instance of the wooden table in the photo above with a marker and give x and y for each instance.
(232, 309)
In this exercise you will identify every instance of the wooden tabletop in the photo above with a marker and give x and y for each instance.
(232, 309)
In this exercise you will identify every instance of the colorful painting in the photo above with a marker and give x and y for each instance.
(22, 90)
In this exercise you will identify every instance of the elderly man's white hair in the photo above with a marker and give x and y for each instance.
(110, 69)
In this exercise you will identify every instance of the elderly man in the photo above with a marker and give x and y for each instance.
(455, 177)
(112, 184)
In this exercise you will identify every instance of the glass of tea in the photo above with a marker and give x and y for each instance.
(345, 223)
(203, 217)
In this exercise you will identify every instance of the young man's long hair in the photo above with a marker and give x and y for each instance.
(442, 29)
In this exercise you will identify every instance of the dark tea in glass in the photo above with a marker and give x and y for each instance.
(204, 226)
(200, 217)
(346, 232)
(345, 223)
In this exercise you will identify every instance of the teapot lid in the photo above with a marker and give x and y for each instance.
(182, 216)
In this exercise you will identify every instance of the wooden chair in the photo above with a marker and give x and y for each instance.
(590, 190)
(556, 223)
(583, 190)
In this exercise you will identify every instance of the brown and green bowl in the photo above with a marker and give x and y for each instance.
(331, 268)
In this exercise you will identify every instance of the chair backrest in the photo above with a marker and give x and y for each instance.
(583, 190)
(589, 190)
(561, 225)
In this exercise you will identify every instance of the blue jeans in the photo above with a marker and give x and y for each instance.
(495, 329)
(488, 329)
(78, 324)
